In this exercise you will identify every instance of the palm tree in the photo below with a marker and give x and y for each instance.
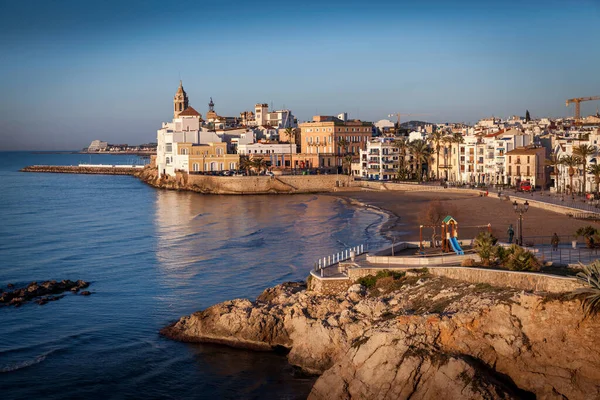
(291, 134)
(343, 143)
(594, 169)
(245, 164)
(401, 144)
(583, 151)
(458, 138)
(259, 163)
(447, 140)
(347, 162)
(436, 139)
(420, 151)
(554, 162)
(571, 162)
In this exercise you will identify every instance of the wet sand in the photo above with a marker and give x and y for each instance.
(470, 210)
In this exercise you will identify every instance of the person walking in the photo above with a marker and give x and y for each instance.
(555, 241)
(511, 233)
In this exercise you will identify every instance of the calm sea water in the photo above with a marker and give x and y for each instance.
(152, 256)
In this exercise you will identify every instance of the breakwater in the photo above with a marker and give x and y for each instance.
(71, 169)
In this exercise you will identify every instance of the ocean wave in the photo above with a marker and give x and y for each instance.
(26, 363)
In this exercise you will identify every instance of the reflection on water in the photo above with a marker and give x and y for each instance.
(152, 256)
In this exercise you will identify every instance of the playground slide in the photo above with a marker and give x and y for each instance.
(456, 246)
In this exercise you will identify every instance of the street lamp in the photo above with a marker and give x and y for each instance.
(521, 209)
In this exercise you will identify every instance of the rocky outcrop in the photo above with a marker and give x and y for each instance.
(42, 293)
(421, 337)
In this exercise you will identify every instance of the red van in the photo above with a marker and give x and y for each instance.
(525, 186)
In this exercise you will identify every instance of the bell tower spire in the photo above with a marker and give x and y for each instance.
(180, 101)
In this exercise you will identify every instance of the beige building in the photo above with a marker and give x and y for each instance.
(208, 157)
(526, 164)
(328, 139)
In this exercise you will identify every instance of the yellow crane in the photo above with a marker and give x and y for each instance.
(577, 102)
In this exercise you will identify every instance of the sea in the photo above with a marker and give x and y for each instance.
(151, 256)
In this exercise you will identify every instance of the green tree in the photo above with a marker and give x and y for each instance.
(246, 164)
(571, 162)
(347, 163)
(590, 276)
(519, 259)
(259, 163)
(401, 144)
(587, 232)
(420, 151)
(291, 134)
(594, 169)
(436, 140)
(584, 151)
(554, 162)
(484, 245)
(458, 138)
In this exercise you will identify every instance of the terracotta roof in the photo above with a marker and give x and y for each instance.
(524, 151)
(189, 112)
(500, 132)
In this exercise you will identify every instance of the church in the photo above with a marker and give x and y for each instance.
(190, 144)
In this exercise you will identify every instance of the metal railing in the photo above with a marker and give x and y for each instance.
(323, 264)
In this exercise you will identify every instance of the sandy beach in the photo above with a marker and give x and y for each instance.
(469, 210)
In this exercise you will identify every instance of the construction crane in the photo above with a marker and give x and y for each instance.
(404, 115)
(577, 102)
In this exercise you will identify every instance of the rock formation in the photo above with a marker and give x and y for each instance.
(418, 337)
(42, 293)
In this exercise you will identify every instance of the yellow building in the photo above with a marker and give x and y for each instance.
(526, 164)
(208, 157)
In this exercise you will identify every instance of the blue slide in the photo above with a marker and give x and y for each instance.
(456, 247)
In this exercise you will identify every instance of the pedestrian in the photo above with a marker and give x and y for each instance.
(555, 241)
(511, 233)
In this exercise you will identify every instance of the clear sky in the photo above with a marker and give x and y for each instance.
(74, 71)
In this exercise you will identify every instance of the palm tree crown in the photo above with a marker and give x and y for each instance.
(583, 152)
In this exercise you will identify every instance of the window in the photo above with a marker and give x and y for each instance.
(168, 147)
(196, 167)
(222, 166)
(219, 152)
(317, 130)
(317, 139)
(231, 165)
(528, 163)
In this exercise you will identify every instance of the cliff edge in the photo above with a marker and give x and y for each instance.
(417, 337)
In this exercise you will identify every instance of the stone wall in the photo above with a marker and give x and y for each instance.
(518, 280)
(329, 286)
(246, 184)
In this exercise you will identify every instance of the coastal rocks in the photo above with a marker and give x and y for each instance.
(42, 293)
(432, 337)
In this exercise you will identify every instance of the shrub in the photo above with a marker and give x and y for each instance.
(467, 262)
(587, 232)
(484, 246)
(501, 253)
(519, 259)
(591, 278)
(370, 281)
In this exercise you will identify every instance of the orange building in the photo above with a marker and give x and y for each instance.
(326, 139)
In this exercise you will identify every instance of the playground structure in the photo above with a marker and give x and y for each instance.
(449, 235)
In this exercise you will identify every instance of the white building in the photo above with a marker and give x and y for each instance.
(380, 160)
(266, 148)
(97, 145)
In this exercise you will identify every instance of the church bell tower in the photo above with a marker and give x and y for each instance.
(180, 101)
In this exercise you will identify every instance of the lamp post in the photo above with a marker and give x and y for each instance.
(521, 209)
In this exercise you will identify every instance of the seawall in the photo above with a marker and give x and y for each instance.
(248, 185)
(69, 169)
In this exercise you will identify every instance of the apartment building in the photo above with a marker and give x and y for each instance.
(380, 160)
(526, 164)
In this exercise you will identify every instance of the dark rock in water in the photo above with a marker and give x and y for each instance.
(10, 286)
(85, 293)
(43, 292)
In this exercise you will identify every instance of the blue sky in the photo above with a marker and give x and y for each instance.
(74, 71)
